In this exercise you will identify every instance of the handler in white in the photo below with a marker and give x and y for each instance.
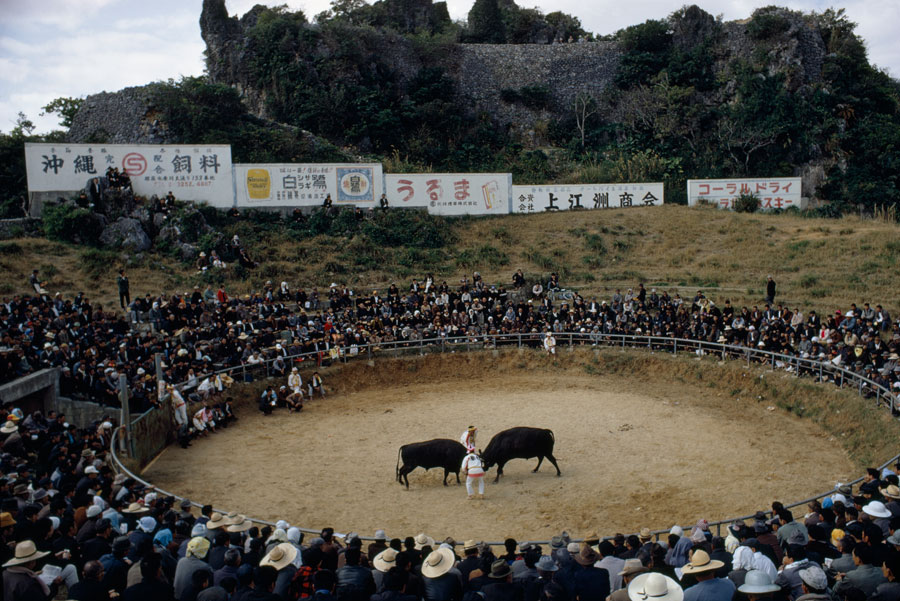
(295, 382)
(474, 473)
(178, 404)
(550, 343)
(467, 439)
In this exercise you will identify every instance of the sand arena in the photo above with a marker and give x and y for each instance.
(634, 452)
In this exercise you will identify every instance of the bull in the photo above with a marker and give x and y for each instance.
(520, 443)
(440, 452)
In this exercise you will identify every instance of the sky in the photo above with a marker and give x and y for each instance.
(54, 48)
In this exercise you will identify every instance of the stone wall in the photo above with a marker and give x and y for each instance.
(124, 117)
(482, 71)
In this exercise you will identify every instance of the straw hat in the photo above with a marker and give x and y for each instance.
(9, 427)
(700, 562)
(234, 518)
(469, 545)
(135, 508)
(438, 563)
(385, 560)
(423, 540)
(587, 556)
(658, 587)
(891, 492)
(25, 552)
(280, 556)
(240, 526)
(216, 520)
(6, 520)
(633, 566)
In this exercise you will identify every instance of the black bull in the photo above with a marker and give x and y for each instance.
(519, 443)
(440, 452)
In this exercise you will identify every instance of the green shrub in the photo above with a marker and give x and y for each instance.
(68, 223)
(746, 203)
(765, 25)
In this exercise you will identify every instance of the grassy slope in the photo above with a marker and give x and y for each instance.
(822, 264)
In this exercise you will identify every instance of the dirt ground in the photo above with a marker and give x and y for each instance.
(632, 454)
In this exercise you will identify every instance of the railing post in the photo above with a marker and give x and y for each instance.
(126, 411)
(520, 339)
(674, 346)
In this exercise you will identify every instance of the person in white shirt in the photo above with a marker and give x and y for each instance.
(474, 470)
(550, 343)
(178, 404)
(295, 382)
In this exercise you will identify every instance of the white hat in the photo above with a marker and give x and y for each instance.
(147, 524)
(93, 511)
(282, 524)
(677, 530)
(652, 585)
(756, 582)
(90, 470)
(876, 509)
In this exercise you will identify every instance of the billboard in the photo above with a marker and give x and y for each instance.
(451, 193)
(304, 185)
(551, 198)
(773, 192)
(196, 173)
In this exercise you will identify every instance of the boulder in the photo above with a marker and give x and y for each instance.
(126, 233)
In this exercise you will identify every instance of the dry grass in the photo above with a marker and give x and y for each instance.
(821, 264)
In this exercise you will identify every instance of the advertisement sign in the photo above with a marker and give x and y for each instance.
(773, 192)
(451, 193)
(550, 198)
(304, 185)
(198, 173)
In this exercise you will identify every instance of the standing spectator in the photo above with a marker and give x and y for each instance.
(383, 202)
(124, 289)
(770, 290)
(316, 383)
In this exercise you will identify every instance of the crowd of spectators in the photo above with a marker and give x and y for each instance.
(72, 528)
(207, 330)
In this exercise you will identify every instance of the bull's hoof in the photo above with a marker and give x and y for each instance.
(534, 471)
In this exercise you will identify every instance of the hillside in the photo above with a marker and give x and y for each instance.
(818, 263)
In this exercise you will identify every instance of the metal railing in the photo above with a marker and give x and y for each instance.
(819, 370)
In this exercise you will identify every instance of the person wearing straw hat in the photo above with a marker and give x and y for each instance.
(473, 467)
(382, 563)
(891, 494)
(758, 586)
(440, 583)
(467, 438)
(20, 582)
(708, 586)
(281, 558)
(658, 587)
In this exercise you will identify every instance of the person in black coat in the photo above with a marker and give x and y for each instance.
(90, 587)
(502, 588)
(590, 582)
(151, 587)
(394, 583)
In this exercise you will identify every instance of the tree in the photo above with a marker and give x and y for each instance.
(486, 23)
(67, 108)
(585, 106)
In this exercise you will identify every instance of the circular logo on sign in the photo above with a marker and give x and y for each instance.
(355, 184)
(134, 164)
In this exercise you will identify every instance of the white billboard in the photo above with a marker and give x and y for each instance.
(303, 185)
(451, 193)
(772, 192)
(551, 198)
(196, 173)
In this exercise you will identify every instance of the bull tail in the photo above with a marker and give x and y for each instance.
(552, 437)
(397, 474)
